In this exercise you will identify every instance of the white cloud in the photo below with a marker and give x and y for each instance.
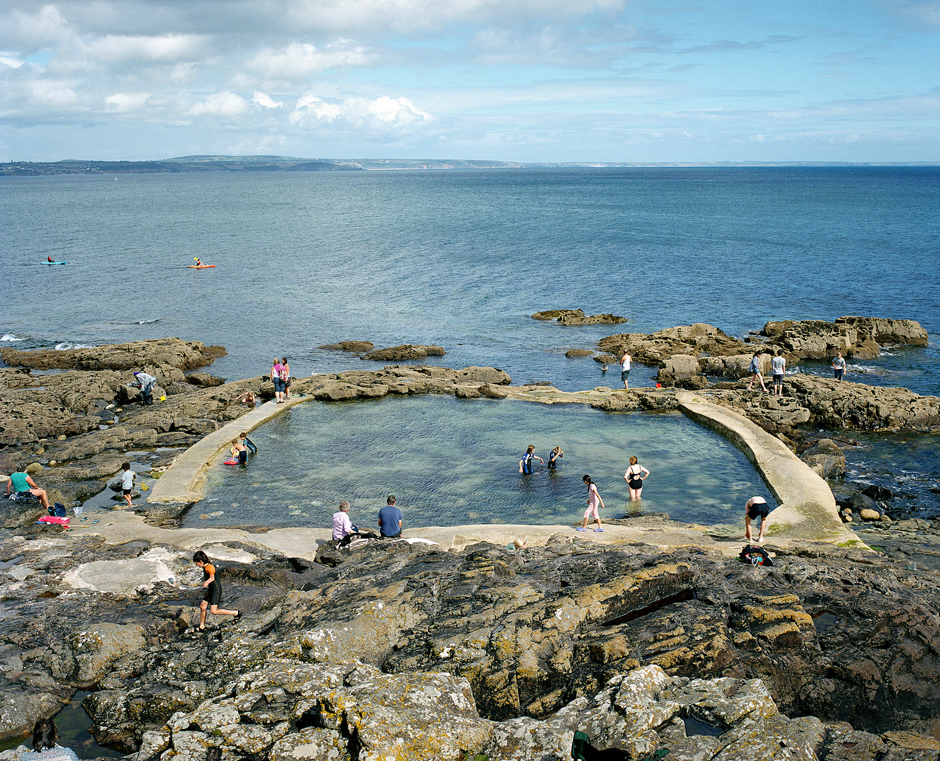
(265, 100)
(163, 48)
(383, 111)
(226, 104)
(297, 61)
(398, 110)
(310, 105)
(127, 102)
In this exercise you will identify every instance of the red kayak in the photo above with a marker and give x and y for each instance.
(200, 266)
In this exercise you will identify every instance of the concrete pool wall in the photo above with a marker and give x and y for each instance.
(806, 507)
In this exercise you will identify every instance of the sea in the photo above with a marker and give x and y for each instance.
(462, 260)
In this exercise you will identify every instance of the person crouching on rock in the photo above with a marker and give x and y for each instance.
(213, 593)
(45, 747)
(756, 507)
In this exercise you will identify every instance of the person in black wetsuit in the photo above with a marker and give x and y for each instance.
(213, 594)
(525, 464)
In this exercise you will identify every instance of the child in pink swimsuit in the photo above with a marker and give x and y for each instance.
(594, 499)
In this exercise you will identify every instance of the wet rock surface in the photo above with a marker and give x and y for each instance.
(408, 650)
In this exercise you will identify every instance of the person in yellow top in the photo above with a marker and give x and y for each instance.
(213, 593)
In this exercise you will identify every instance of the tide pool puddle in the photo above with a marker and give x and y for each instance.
(452, 462)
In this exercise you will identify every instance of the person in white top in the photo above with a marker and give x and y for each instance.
(625, 372)
(342, 526)
(778, 368)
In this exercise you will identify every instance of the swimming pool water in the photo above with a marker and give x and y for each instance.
(453, 462)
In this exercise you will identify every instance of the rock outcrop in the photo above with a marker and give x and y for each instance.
(859, 337)
(695, 340)
(403, 352)
(487, 650)
(578, 317)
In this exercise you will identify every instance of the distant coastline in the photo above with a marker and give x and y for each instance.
(206, 164)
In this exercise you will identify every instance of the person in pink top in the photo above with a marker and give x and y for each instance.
(342, 526)
(277, 370)
(594, 499)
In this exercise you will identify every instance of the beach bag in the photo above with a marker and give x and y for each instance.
(755, 555)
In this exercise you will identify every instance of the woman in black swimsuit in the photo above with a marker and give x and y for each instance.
(634, 477)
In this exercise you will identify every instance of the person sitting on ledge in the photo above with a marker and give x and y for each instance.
(22, 483)
(390, 519)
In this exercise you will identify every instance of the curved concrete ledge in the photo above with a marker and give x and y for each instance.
(806, 508)
(185, 479)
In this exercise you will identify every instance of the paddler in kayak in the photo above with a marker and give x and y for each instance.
(198, 261)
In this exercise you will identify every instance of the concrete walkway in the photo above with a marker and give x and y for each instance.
(185, 479)
(806, 508)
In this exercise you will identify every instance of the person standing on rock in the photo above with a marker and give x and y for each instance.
(127, 482)
(635, 476)
(45, 747)
(625, 369)
(756, 507)
(390, 519)
(276, 369)
(755, 370)
(285, 376)
(213, 594)
(838, 367)
(778, 368)
(21, 483)
(594, 499)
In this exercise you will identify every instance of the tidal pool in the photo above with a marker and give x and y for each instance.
(451, 462)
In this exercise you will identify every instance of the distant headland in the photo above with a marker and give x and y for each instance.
(214, 163)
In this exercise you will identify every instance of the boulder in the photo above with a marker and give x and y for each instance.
(825, 458)
(356, 347)
(403, 352)
(677, 369)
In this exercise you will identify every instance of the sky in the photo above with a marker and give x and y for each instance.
(649, 81)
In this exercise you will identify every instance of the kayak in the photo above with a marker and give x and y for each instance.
(200, 266)
(55, 262)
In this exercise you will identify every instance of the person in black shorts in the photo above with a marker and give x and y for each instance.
(213, 593)
(756, 507)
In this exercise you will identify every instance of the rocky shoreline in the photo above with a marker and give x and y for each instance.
(480, 650)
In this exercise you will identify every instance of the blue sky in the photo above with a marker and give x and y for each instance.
(508, 80)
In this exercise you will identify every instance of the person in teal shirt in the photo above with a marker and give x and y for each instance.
(21, 482)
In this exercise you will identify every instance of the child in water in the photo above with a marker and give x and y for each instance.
(525, 464)
(553, 458)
